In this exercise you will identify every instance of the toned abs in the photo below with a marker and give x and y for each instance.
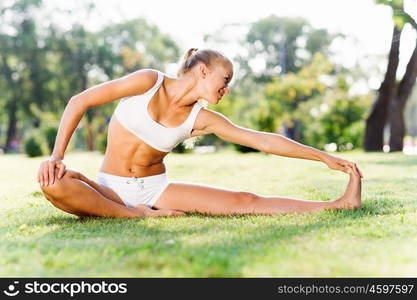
(127, 155)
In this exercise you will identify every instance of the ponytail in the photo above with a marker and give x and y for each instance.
(187, 62)
(207, 56)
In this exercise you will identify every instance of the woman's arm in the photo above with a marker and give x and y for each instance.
(135, 83)
(280, 145)
(271, 143)
(69, 121)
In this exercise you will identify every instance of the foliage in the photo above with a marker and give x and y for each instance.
(138, 44)
(244, 149)
(43, 65)
(50, 136)
(321, 102)
(284, 93)
(32, 146)
(399, 17)
(102, 143)
(334, 117)
(181, 148)
(241, 106)
(47, 64)
(276, 45)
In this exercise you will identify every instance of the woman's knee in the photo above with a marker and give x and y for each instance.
(59, 187)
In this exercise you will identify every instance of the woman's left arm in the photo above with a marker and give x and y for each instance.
(272, 143)
(280, 145)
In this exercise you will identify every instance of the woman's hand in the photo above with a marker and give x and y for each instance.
(46, 173)
(340, 164)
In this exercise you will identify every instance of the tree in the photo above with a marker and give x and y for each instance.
(398, 103)
(376, 121)
(285, 93)
(282, 45)
(22, 64)
(42, 66)
(392, 97)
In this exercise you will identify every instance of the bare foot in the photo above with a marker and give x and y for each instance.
(352, 197)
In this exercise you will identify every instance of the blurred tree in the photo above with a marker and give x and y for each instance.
(278, 45)
(138, 44)
(123, 48)
(22, 64)
(398, 104)
(334, 117)
(392, 98)
(43, 64)
(285, 93)
(377, 119)
(272, 46)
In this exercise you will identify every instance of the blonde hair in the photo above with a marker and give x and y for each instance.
(207, 56)
(191, 58)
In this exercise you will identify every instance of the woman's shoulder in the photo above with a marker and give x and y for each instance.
(142, 80)
(148, 75)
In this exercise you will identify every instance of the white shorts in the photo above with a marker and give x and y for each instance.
(136, 190)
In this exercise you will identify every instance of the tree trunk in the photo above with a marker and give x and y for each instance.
(292, 130)
(89, 130)
(89, 136)
(11, 126)
(374, 137)
(396, 118)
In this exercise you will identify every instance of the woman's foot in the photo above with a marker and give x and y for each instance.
(352, 197)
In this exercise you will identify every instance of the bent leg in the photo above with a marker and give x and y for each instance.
(75, 196)
(211, 200)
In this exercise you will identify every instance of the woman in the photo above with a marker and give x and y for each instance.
(159, 112)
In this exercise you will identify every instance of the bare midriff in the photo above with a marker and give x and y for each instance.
(128, 156)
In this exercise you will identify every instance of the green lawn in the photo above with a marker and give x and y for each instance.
(380, 239)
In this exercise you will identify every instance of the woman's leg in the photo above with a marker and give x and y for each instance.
(216, 201)
(76, 194)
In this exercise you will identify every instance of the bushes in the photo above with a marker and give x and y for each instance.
(244, 149)
(40, 141)
(32, 146)
(50, 136)
(102, 143)
(181, 148)
(335, 118)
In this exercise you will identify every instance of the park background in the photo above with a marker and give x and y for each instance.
(336, 75)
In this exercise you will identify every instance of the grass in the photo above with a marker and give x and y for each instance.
(378, 240)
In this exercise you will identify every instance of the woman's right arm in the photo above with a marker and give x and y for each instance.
(135, 83)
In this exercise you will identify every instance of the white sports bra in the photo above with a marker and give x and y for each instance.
(132, 113)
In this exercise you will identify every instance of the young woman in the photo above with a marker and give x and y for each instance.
(156, 114)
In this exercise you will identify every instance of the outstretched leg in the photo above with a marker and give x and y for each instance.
(350, 199)
(216, 201)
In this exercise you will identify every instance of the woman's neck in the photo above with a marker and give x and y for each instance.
(181, 91)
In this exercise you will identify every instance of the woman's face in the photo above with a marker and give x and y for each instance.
(216, 82)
